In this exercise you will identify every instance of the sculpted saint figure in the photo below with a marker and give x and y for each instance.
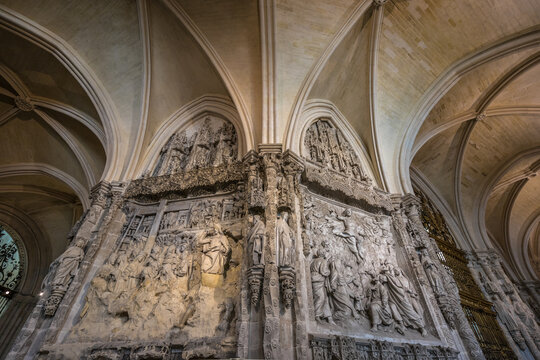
(379, 310)
(215, 249)
(225, 151)
(200, 152)
(340, 299)
(285, 240)
(432, 272)
(348, 234)
(68, 264)
(400, 305)
(320, 273)
(255, 237)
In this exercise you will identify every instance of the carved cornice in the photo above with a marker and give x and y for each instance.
(211, 178)
(345, 189)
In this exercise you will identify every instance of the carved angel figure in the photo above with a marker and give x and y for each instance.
(215, 249)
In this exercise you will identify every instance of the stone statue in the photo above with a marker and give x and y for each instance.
(215, 249)
(226, 147)
(255, 240)
(377, 298)
(320, 282)
(285, 240)
(340, 299)
(432, 272)
(200, 153)
(400, 305)
(68, 264)
(348, 234)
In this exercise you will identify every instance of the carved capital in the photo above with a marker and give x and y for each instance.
(287, 279)
(100, 193)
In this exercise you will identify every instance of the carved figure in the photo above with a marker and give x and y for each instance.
(215, 248)
(68, 264)
(340, 300)
(379, 310)
(200, 152)
(348, 234)
(285, 240)
(320, 274)
(400, 305)
(226, 148)
(255, 239)
(432, 272)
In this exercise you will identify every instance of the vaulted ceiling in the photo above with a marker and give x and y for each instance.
(447, 87)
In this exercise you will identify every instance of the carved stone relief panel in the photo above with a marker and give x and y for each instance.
(209, 142)
(325, 145)
(174, 275)
(358, 284)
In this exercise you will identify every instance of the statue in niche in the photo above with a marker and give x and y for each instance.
(256, 238)
(400, 305)
(200, 153)
(215, 249)
(432, 272)
(340, 300)
(320, 282)
(225, 151)
(285, 240)
(68, 264)
(523, 312)
(377, 298)
(348, 234)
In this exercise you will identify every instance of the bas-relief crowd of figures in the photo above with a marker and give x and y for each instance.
(354, 271)
(513, 313)
(207, 143)
(180, 282)
(326, 146)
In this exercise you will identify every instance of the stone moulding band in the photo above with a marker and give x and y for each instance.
(212, 178)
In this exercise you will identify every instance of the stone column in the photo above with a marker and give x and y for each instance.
(293, 166)
(449, 300)
(271, 157)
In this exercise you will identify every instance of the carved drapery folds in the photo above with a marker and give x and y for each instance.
(207, 143)
(355, 275)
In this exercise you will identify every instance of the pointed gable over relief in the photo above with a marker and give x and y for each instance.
(210, 141)
(325, 145)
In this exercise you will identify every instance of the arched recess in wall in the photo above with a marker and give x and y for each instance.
(324, 109)
(191, 113)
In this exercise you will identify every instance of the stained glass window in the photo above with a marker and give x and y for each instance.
(10, 267)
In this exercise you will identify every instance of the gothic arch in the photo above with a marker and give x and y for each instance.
(317, 109)
(188, 115)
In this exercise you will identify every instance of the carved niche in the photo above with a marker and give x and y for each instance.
(173, 275)
(209, 142)
(326, 146)
(357, 282)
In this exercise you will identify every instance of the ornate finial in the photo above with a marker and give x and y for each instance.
(24, 103)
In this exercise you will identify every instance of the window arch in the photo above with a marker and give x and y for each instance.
(12, 264)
